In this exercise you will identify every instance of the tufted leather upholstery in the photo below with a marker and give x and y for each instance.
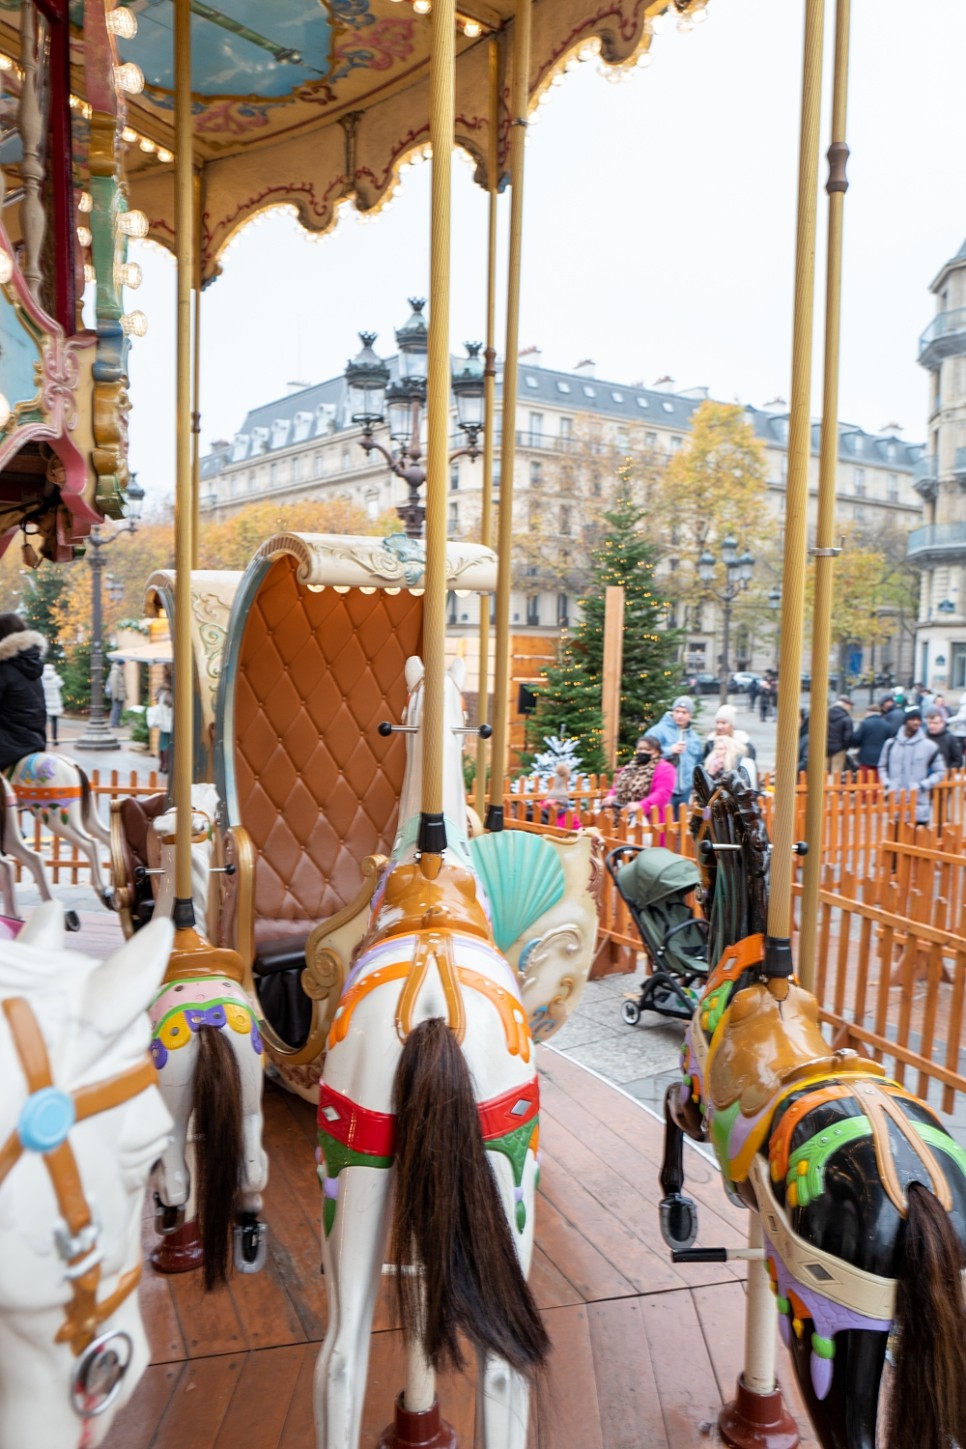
(317, 786)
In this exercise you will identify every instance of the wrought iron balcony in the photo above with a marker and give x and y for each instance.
(925, 476)
(940, 541)
(944, 337)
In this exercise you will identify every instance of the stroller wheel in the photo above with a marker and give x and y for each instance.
(631, 1012)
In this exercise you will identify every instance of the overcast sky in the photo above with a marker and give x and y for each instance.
(659, 234)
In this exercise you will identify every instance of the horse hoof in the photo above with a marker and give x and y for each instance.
(71, 921)
(167, 1220)
(251, 1244)
(679, 1221)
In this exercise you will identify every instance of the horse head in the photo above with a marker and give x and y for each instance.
(454, 787)
(81, 1124)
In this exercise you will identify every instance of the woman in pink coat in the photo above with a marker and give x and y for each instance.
(646, 783)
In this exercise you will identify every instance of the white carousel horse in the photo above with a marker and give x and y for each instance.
(81, 1123)
(208, 1051)
(428, 1116)
(55, 790)
(204, 805)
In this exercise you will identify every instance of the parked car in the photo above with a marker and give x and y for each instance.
(741, 681)
(701, 683)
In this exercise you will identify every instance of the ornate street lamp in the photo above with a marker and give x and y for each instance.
(775, 603)
(374, 399)
(738, 574)
(98, 735)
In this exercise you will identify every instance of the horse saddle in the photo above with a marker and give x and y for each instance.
(768, 1039)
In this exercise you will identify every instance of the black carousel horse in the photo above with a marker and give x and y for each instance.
(861, 1191)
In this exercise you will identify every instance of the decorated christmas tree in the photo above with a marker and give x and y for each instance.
(569, 703)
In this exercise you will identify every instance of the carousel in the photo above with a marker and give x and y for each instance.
(325, 1037)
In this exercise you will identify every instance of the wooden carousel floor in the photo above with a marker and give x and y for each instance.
(643, 1352)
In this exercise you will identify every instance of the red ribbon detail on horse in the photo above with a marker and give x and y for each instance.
(374, 1133)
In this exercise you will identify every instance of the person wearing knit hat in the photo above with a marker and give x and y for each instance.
(726, 747)
(681, 744)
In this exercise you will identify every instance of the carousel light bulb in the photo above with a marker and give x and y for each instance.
(658, 22)
(129, 134)
(89, 273)
(132, 223)
(122, 22)
(685, 25)
(472, 29)
(85, 202)
(84, 236)
(645, 60)
(422, 7)
(129, 77)
(147, 145)
(6, 267)
(134, 324)
(164, 155)
(127, 274)
(6, 63)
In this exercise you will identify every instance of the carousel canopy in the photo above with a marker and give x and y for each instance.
(310, 103)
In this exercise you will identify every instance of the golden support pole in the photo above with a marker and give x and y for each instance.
(796, 505)
(501, 675)
(442, 119)
(196, 379)
(184, 251)
(489, 405)
(825, 552)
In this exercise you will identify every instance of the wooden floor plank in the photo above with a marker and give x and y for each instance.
(137, 1423)
(208, 1321)
(298, 1431)
(576, 1258)
(568, 1412)
(688, 1388)
(266, 1383)
(627, 1390)
(199, 1403)
(721, 1314)
(549, 1286)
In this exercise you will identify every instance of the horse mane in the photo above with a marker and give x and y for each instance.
(928, 1387)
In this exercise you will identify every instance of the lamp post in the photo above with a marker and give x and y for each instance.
(98, 735)
(738, 573)
(372, 395)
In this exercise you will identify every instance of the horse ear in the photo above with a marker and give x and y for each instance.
(45, 929)
(414, 671)
(123, 986)
(457, 672)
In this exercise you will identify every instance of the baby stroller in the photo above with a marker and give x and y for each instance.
(654, 884)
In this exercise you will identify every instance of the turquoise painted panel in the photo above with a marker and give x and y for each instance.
(522, 876)
(19, 356)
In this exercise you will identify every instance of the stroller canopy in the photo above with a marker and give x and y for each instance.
(655, 874)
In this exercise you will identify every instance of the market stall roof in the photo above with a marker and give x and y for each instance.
(157, 651)
(310, 103)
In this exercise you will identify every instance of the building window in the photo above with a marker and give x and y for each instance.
(533, 609)
(667, 406)
(565, 516)
(536, 473)
(651, 439)
(859, 512)
(454, 519)
(536, 430)
(317, 465)
(532, 381)
(372, 504)
(892, 487)
(346, 460)
(617, 396)
(562, 386)
(595, 484)
(566, 430)
(589, 391)
(642, 402)
(273, 474)
(957, 677)
(858, 479)
(676, 443)
(454, 476)
(563, 611)
(296, 469)
(859, 444)
(891, 451)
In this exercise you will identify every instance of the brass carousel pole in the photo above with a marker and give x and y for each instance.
(432, 833)
(489, 401)
(196, 375)
(184, 250)
(825, 551)
(501, 676)
(757, 1415)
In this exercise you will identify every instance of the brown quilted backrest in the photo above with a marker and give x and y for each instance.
(318, 787)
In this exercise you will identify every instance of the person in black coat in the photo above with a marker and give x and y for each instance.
(839, 734)
(872, 734)
(945, 741)
(23, 713)
(893, 713)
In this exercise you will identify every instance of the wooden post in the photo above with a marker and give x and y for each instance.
(613, 669)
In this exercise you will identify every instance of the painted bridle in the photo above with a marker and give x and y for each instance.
(43, 1128)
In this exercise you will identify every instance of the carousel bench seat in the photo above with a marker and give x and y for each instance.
(134, 850)
(277, 969)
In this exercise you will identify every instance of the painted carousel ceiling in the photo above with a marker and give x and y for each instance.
(312, 103)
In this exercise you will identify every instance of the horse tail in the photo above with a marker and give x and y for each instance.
(929, 1386)
(448, 1215)
(218, 1125)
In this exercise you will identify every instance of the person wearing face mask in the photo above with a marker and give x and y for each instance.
(681, 745)
(646, 783)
